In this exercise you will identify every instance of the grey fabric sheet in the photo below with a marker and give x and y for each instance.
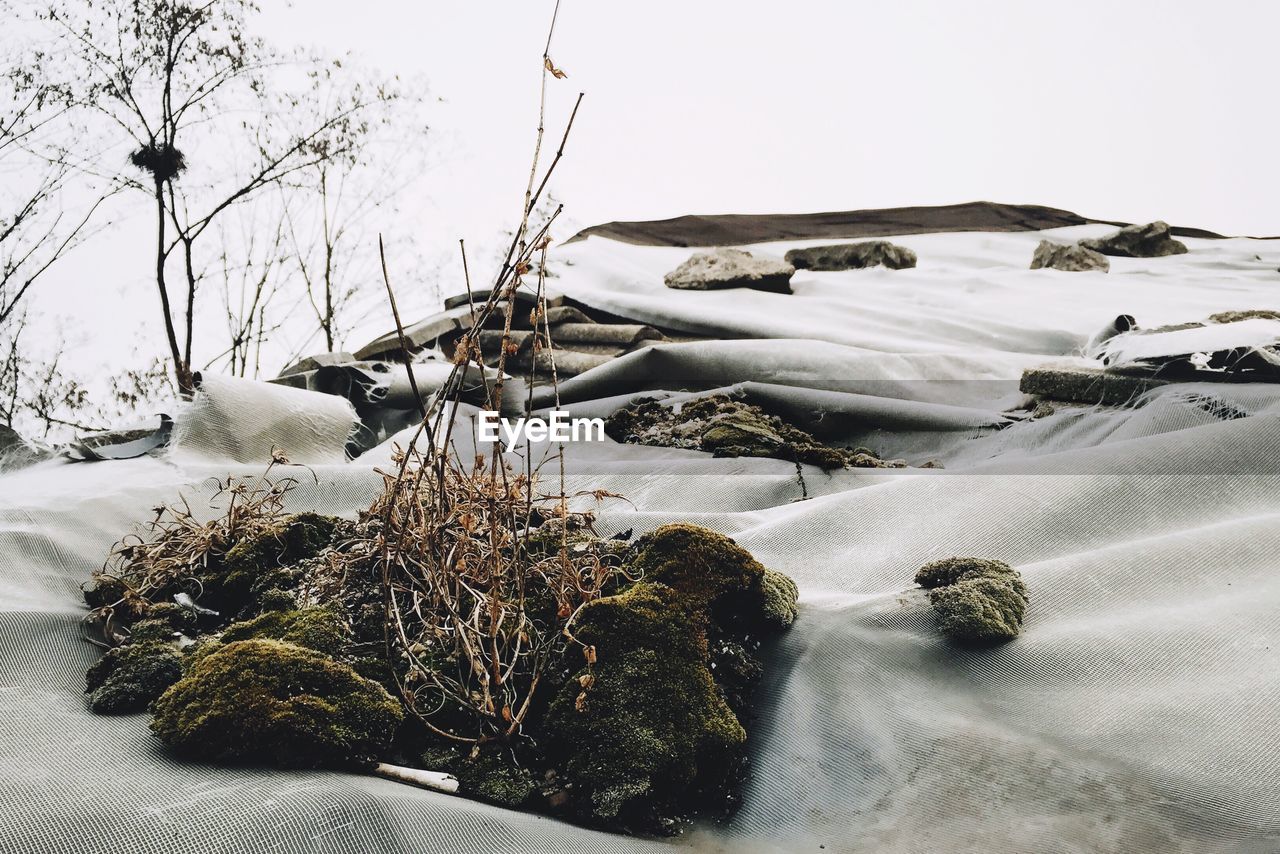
(1137, 711)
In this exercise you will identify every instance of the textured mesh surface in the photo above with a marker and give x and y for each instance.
(1137, 712)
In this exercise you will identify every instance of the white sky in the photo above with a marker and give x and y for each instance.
(1118, 110)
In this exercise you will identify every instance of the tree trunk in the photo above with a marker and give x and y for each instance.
(181, 368)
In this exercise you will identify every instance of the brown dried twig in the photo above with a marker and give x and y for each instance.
(477, 589)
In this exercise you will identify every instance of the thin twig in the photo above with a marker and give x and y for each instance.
(404, 345)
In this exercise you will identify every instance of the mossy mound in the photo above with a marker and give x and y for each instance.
(649, 731)
(703, 566)
(647, 726)
(976, 600)
(493, 773)
(730, 428)
(780, 595)
(715, 575)
(126, 679)
(270, 702)
(234, 583)
(322, 629)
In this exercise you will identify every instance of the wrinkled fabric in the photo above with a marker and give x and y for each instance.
(1137, 711)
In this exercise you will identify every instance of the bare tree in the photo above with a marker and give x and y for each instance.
(298, 264)
(44, 214)
(211, 117)
(36, 226)
(40, 397)
(337, 208)
(251, 271)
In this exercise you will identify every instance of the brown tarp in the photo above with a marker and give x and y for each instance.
(739, 229)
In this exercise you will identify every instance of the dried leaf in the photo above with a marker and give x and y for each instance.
(555, 72)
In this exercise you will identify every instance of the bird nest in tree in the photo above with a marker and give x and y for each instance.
(161, 160)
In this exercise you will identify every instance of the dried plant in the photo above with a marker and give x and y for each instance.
(477, 593)
(175, 546)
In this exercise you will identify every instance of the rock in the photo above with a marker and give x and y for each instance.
(1073, 259)
(731, 268)
(1137, 241)
(852, 256)
(1092, 386)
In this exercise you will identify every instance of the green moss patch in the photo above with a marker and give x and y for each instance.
(322, 629)
(270, 702)
(649, 731)
(126, 679)
(976, 600)
(263, 562)
(647, 726)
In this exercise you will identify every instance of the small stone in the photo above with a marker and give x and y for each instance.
(1073, 259)
(852, 256)
(731, 268)
(1152, 240)
(1093, 386)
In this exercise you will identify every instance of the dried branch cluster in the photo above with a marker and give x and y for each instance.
(479, 598)
(477, 604)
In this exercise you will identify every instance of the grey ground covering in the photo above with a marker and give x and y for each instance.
(1136, 712)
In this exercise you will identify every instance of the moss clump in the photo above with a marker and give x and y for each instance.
(492, 774)
(647, 725)
(128, 678)
(1246, 314)
(178, 618)
(731, 428)
(150, 630)
(264, 562)
(322, 629)
(715, 575)
(780, 595)
(703, 566)
(976, 600)
(649, 732)
(266, 701)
